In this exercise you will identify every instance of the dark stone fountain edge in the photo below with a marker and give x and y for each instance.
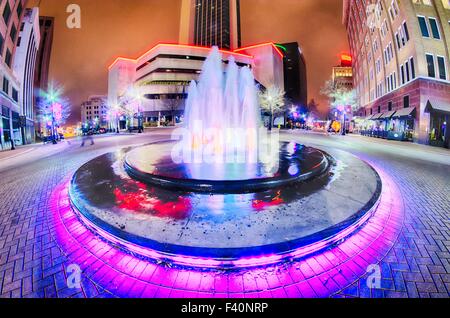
(328, 237)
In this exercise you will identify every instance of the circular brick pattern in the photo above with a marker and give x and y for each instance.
(321, 275)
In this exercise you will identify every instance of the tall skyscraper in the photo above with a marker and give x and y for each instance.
(24, 65)
(44, 53)
(295, 80)
(342, 74)
(211, 22)
(10, 22)
(46, 25)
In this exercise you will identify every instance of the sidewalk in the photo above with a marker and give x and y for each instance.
(28, 153)
(8, 154)
(392, 143)
(411, 145)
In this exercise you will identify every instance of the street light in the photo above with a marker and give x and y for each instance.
(139, 101)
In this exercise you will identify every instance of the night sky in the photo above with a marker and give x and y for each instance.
(112, 28)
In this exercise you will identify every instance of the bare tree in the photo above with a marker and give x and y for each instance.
(341, 99)
(272, 100)
(174, 101)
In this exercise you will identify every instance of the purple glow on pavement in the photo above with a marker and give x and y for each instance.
(318, 275)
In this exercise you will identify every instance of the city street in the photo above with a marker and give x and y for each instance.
(33, 265)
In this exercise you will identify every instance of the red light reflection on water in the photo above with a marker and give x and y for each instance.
(141, 201)
(260, 205)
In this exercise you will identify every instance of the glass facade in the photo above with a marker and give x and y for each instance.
(213, 23)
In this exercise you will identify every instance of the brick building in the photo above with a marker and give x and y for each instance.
(401, 67)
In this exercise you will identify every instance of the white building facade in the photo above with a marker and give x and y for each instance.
(161, 76)
(94, 112)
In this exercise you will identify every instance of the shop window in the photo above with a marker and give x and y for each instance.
(5, 112)
(6, 130)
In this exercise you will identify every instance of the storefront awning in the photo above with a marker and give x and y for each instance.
(437, 106)
(368, 118)
(388, 115)
(405, 112)
(377, 116)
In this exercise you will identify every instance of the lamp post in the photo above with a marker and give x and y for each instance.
(140, 123)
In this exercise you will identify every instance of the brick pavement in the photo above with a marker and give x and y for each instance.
(418, 265)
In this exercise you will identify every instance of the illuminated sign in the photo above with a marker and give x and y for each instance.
(346, 59)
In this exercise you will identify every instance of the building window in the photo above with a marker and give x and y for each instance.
(5, 85)
(441, 67)
(408, 78)
(402, 74)
(2, 42)
(405, 30)
(430, 65)
(413, 68)
(13, 33)
(15, 95)
(19, 9)
(424, 27)
(406, 101)
(390, 106)
(7, 13)
(434, 28)
(8, 58)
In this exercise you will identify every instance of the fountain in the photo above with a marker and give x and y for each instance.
(223, 147)
(224, 191)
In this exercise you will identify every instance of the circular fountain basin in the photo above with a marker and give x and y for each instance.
(293, 163)
(202, 229)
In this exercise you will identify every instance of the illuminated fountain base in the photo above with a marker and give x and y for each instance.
(295, 163)
(314, 202)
